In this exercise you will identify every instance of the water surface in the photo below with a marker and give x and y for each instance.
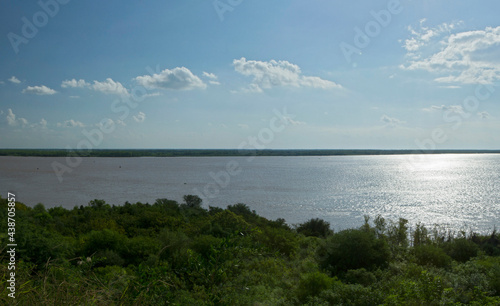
(459, 190)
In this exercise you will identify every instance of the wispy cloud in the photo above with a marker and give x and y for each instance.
(390, 121)
(39, 90)
(483, 115)
(452, 108)
(212, 78)
(277, 73)
(179, 78)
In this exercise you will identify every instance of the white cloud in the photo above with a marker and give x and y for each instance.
(293, 122)
(74, 83)
(277, 73)
(153, 94)
(483, 115)
(70, 124)
(13, 121)
(14, 80)
(110, 87)
(212, 78)
(451, 108)
(140, 117)
(11, 117)
(179, 78)
(243, 126)
(43, 123)
(39, 90)
(467, 57)
(391, 121)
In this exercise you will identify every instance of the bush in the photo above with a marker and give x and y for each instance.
(431, 255)
(360, 276)
(278, 240)
(104, 240)
(312, 284)
(461, 249)
(353, 249)
(173, 247)
(315, 227)
(225, 224)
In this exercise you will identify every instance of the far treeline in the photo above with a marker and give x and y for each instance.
(222, 152)
(170, 253)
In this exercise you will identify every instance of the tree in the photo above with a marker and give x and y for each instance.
(193, 201)
(315, 227)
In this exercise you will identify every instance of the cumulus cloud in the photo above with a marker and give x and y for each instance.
(39, 90)
(466, 57)
(179, 78)
(277, 73)
(110, 87)
(70, 124)
(140, 117)
(391, 121)
(73, 83)
(14, 80)
(12, 120)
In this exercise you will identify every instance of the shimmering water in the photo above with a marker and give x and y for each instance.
(461, 191)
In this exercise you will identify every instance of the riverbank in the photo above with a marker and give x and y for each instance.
(222, 152)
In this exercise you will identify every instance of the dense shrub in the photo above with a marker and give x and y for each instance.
(461, 249)
(431, 255)
(312, 284)
(171, 254)
(360, 276)
(353, 249)
(102, 240)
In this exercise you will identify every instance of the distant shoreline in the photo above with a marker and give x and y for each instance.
(223, 152)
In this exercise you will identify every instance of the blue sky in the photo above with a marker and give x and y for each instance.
(217, 74)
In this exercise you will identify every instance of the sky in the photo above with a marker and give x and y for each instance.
(250, 74)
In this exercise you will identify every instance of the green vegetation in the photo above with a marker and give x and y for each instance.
(218, 152)
(184, 254)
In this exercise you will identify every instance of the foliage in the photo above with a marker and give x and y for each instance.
(353, 249)
(315, 227)
(431, 254)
